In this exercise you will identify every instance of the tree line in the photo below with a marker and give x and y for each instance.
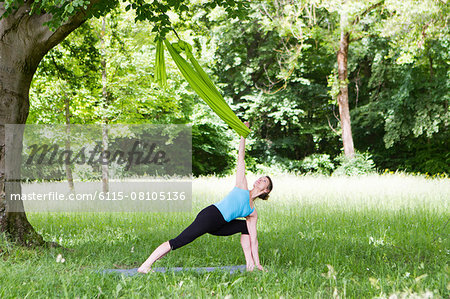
(315, 79)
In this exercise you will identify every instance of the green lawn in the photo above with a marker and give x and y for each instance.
(319, 237)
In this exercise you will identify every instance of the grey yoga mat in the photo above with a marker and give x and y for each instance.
(131, 272)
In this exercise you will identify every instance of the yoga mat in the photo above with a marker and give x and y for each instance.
(131, 272)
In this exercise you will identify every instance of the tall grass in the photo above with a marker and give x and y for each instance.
(319, 237)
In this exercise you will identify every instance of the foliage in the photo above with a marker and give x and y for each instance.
(360, 164)
(271, 66)
(289, 124)
(157, 12)
(412, 24)
(318, 163)
(403, 114)
(211, 151)
(315, 163)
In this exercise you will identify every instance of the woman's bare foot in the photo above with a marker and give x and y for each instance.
(145, 268)
(159, 252)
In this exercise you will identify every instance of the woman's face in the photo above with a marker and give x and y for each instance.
(262, 183)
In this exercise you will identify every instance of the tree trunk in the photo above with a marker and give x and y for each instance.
(24, 41)
(344, 111)
(105, 169)
(67, 147)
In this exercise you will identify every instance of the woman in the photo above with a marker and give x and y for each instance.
(219, 218)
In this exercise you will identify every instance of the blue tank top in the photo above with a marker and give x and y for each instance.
(235, 204)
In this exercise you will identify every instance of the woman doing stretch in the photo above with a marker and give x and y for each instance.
(219, 218)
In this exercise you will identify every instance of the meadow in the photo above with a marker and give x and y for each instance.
(375, 236)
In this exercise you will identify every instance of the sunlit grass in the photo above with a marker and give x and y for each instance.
(320, 237)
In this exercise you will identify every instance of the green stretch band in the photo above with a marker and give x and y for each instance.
(205, 88)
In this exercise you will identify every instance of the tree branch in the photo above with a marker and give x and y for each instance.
(369, 9)
(50, 39)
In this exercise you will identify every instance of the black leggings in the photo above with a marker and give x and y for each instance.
(209, 220)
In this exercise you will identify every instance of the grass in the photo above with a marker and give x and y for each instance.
(319, 237)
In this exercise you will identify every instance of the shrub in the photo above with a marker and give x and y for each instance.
(211, 150)
(317, 163)
(286, 164)
(361, 163)
(274, 168)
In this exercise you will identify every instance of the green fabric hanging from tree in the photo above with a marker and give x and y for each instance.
(202, 85)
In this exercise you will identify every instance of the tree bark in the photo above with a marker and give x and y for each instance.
(24, 41)
(67, 147)
(105, 169)
(342, 98)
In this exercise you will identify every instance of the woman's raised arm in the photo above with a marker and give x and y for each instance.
(241, 180)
